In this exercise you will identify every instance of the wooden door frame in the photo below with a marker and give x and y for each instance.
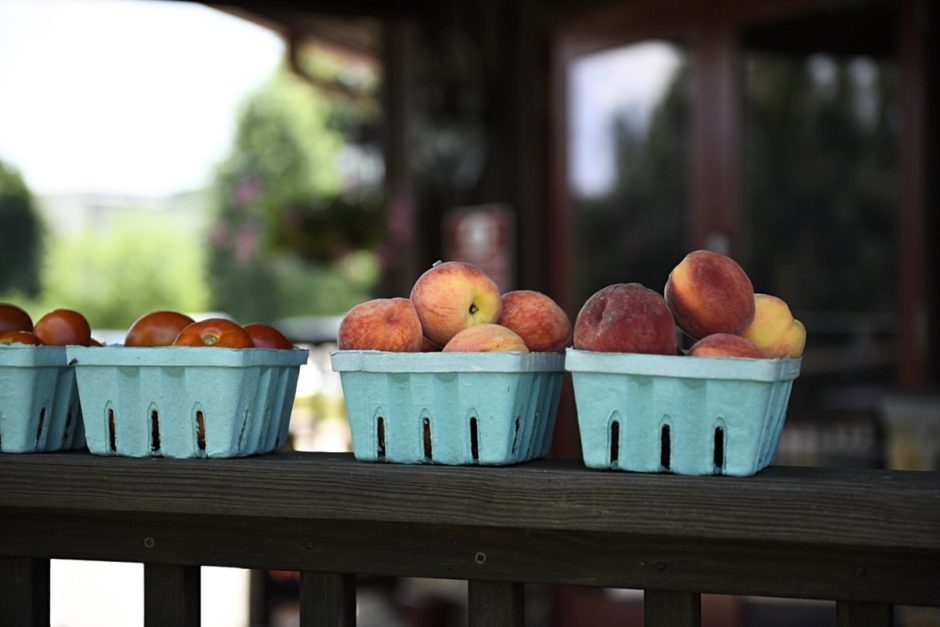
(712, 31)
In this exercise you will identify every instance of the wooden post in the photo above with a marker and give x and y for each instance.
(24, 592)
(327, 600)
(663, 608)
(171, 595)
(496, 604)
(864, 614)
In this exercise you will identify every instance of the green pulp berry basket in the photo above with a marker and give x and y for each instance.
(680, 414)
(39, 407)
(186, 402)
(450, 408)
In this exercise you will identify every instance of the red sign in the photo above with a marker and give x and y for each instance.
(483, 235)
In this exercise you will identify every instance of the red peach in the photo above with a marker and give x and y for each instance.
(710, 293)
(451, 296)
(383, 324)
(725, 345)
(626, 318)
(486, 338)
(538, 319)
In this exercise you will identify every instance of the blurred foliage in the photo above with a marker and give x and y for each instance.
(115, 274)
(286, 218)
(20, 235)
(638, 230)
(820, 180)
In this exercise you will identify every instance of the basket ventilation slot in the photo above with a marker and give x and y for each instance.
(474, 440)
(200, 430)
(380, 434)
(664, 446)
(42, 423)
(154, 431)
(112, 439)
(719, 448)
(428, 453)
(614, 442)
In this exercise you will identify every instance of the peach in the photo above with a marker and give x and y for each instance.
(486, 338)
(725, 345)
(383, 324)
(709, 293)
(626, 318)
(774, 329)
(451, 296)
(538, 319)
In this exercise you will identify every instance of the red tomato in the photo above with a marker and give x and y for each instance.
(12, 318)
(157, 328)
(214, 332)
(63, 327)
(19, 337)
(266, 336)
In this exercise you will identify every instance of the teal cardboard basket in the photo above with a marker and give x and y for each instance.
(186, 402)
(450, 408)
(39, 406)
(680, 414)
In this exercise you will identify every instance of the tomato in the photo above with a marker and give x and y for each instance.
(266, 336)
(214, 332)
(12, 318)
(63, 327)
(157, 328)
(19, 337)
(93, 342)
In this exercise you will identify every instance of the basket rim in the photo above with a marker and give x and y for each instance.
(682, 366)
(176, 356)
(390, 362)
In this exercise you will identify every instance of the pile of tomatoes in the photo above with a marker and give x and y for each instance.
(66, 327)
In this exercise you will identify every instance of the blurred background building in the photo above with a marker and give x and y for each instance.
(281, 161)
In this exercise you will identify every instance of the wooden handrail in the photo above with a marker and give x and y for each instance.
(858, 537)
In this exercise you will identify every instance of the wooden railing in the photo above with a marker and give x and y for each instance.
(866, 539)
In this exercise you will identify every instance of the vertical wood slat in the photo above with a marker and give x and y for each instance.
(171, 595)
(496, 604)
(864, 614)
(663, 608)
(24, 592)
(327, 600)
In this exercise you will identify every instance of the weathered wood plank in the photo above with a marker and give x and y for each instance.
(886, 509)
(805, 570)
(662, 608)
(171, 595)
(24, 592)
(864, 614)
(327, 599)
(496, 603)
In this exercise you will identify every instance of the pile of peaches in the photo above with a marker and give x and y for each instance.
(456, 307)
(709, 297)
(67, 327)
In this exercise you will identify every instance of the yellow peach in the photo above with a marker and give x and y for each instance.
(774, 329)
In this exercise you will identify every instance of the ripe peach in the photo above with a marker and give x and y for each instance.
(626, 318)
(486, 338)
(725, 345)
(538, 319)
(451, 296)
(383, 324)
(774, 329)
(710, 293)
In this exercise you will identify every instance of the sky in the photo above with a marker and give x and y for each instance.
(128, 98)
(140, 98)
(624, 81)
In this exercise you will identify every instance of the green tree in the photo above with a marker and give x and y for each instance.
(20, 235)
(284, 219)
(139, 264)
